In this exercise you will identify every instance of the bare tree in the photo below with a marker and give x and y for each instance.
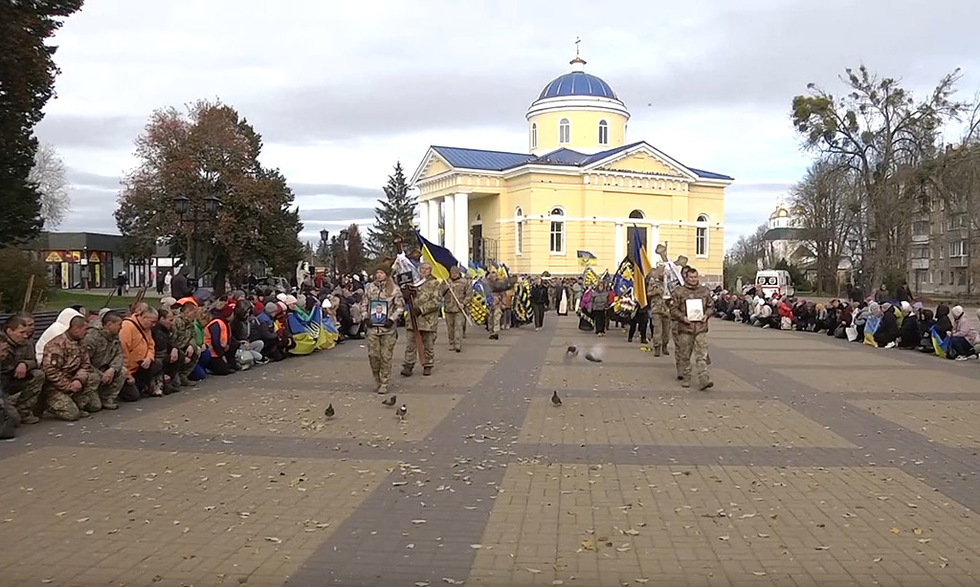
(50, 176)
(827, 204)
(878, 130)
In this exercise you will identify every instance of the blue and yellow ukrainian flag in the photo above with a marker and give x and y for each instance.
(641, 268)
(585, 258)
(439, 257)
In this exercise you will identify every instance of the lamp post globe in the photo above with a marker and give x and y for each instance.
(182, 203)
(211, 205)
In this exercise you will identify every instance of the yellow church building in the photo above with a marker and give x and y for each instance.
(580, 187)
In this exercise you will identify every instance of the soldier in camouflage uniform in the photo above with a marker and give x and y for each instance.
(426, 303)
(692, 335)
(381, 338)
(182, 338)
(71, 389)
(106, 358)
(498, 287)
(21, 376)
(659, 312)
(456, 295)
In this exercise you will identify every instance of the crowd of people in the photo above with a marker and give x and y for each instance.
(88, 361)
(883, 321)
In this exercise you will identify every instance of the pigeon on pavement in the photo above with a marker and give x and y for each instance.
(329, 412)
(402, 411)
(555, 400)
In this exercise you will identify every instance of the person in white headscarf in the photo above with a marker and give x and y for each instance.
(964, 335)
(60, 326)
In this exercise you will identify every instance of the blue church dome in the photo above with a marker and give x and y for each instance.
(577, 83)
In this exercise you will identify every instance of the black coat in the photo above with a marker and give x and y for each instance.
(909, 334)
(539, 294)
(888, 330)
(179, 287)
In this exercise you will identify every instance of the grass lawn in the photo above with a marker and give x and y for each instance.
(59, 299)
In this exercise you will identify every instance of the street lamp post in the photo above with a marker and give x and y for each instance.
(183, 206)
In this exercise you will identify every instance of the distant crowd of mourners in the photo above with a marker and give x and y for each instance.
(885, 320)
(90, 360)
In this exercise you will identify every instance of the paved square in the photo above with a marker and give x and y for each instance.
(299, 413)
(98, 516)
(612, 377)
(770, 478)
(677, 422)
(621, 524)
(822, 357)
(904, 380)
(950, 423)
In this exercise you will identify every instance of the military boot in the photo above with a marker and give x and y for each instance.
(427, 370)
(407, 370)
(656, 351)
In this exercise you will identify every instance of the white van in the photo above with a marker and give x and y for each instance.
(771, 282)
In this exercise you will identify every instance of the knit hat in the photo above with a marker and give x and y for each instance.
(168, 301)
(290, 300)
(386, 269)
(271, 308)
(956, 312)
(906, 307)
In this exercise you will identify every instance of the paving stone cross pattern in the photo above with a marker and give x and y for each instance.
(811, 462)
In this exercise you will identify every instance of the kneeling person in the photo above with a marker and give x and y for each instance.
(106, 358)
(71, 389)
(20, 374)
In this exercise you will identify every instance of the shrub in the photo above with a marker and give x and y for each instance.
(16, 268)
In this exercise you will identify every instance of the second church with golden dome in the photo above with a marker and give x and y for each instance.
(580, 187)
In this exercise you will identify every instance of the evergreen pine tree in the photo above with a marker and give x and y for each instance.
(395, 216)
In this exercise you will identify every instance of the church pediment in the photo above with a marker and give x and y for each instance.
(645, 159)
(432, 165)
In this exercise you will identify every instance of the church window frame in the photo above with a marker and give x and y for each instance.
(701, 237)
(519, 231)
(556, 231)
(564, 131)
(534, 135)
(603, 132)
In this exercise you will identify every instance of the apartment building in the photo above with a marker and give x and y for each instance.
(942, 252)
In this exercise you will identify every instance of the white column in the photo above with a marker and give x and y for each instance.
(434, 220)
(450, 224)
(620, 248)
(462, 226)
(423, 220)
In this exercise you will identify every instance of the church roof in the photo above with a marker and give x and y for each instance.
(504, 160)
(577, 83)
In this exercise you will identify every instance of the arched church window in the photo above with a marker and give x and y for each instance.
(701, 237)
(564, 131)
(636, 214)
(603, 132)
(519, 231)
(556, 241)
(534, 135)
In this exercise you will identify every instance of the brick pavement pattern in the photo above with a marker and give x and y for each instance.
(811, 462)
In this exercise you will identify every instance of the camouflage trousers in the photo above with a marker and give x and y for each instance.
(68, 406)
(692, 347)
(660, 333)
(24, 394)
(183, 369)
(455, 321)
(493, 320)
(110, 391)
(380, 348)
(428, 348)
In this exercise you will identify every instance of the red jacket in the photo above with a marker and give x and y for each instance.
(784, 309)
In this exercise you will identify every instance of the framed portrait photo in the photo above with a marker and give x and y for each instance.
(378, 310)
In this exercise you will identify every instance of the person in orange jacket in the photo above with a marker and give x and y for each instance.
(136, 340)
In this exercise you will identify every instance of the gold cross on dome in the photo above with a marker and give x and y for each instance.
(577, 41)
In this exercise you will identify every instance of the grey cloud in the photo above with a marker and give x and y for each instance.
(336, 214)
(79, 178)
(319, 189)
(100, 132)
(764, 187)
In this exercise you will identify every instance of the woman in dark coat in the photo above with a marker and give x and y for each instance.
(887, 334)
(909, 335)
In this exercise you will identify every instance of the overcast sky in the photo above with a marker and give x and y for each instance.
(340, 91)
